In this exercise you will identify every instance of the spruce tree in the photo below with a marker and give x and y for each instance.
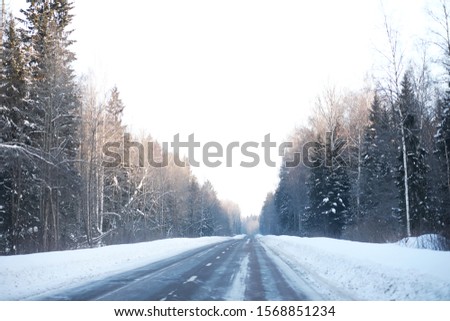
(329, 188)
(268, 219)
(443, 154)
(284, 203)
(315, 221)
(55, 107)
(18, 192)
(415, 163)
(14, 114)
(378, 184)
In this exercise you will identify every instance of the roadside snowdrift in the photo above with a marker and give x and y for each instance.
(24, 276)
(427, 241)
(365, 271)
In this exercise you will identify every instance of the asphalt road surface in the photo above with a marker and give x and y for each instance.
(233, 270)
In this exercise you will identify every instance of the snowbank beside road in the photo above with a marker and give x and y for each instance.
(365, 271)
(24, 276)
(427, 241)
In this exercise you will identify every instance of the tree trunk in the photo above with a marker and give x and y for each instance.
(358, 184)
(447, 161)
(405, 179)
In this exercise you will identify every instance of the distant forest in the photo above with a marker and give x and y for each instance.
(378, 168)
(54, 192)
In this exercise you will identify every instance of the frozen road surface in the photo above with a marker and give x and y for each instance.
(233, 270)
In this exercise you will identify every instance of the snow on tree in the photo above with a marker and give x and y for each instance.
(412, 169)
(54, 105)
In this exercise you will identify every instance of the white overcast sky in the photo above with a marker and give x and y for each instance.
(231, 70)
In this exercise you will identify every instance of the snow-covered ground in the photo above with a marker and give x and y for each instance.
(332, 269)
(427, 241)
(362, 271)
(25, 276)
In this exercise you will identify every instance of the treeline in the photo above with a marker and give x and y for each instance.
(55, 192)
(375, 163)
